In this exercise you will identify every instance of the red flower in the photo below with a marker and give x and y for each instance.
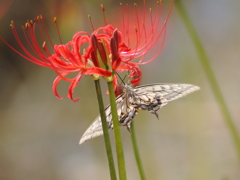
(102, 53)
(66, 59)
(137, 34)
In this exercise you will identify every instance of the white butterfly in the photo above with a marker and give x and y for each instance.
(149, 97)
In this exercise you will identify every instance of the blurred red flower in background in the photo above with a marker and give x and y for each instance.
(4, 7)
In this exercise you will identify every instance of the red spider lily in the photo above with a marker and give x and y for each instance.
(102, 53)
(66, 57)
(145, 30)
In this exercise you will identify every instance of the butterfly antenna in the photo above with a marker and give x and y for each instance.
(121, 78)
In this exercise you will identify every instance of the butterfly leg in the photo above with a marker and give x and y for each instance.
(154, 112)
(128, 127)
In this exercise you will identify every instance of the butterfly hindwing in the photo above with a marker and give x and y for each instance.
(95, 129)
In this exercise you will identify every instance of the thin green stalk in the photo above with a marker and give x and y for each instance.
(105, 131)
(136, 153)
(117, 134)
(210, 75)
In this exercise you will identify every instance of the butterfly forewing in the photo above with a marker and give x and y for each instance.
(169, 91)
(149, 97)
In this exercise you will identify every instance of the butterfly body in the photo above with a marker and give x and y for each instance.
(150, 97)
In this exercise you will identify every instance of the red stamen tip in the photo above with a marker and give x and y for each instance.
(40, 17)
(120, 4)
(103, 9)
(54, 19)
(44, 45)
(90, 18)
(35, 20)
(12, 24)
(135, 4)
(27, 25)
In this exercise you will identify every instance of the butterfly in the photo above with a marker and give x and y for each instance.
(150, 97)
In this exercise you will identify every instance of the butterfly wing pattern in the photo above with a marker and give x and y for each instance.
(149, 97)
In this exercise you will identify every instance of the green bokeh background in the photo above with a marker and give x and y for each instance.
(39, 133)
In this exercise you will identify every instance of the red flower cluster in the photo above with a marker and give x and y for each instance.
(102, 53)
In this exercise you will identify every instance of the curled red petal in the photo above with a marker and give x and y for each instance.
(136, 81)
(135, 72)
(115, 82)
(72, 86)
(54, 87)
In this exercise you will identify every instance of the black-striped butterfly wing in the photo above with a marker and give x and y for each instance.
(150, 97)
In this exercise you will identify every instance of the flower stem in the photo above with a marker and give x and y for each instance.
(117, 134)
(210, 75)
(105, 131)
(136, 153)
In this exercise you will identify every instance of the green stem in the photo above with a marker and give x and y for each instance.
(117, 134)
(210, 75)
(136, 153)
(105, 131)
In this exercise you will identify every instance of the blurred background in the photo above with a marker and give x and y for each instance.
(39, 133)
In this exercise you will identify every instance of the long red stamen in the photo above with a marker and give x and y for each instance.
(126, 37)
(143, 46)
(104, 18)
(45, 29)
(29, 33)
(123, 21)
(90, 19)
(159, 35)
(145, 39)
(152, 26)
(59, 36)
(46, 50)
(137, 42)
(29, 56)
(137, 18)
